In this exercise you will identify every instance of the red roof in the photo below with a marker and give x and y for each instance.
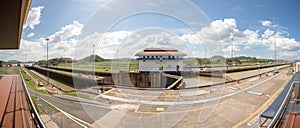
(160, 51)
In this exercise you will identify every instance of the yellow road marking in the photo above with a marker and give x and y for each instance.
(108, 91)
(165, 112)
(262, 107)
(137, 108)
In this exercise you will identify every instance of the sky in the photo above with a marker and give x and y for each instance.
(121, 28)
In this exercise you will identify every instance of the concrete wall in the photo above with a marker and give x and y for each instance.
(125, 79)
(71, 80)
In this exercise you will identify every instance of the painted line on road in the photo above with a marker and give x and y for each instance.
(99, 106)
(149, 102)
(73, 118)
(250, 123)
(262, 107)
(109, 91)
(137, 108)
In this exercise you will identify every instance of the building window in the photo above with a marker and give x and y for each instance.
(169, 57)
(143, 56)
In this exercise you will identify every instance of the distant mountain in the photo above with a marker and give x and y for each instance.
(57, 61)
(217, 57)
(13, 61)
(91, 58)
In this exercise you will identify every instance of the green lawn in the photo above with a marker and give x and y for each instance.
(77, 95)
(107, 66)
(8, 70)
(31, 84)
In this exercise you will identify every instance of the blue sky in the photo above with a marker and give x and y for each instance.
(249, 12)
(75, 25)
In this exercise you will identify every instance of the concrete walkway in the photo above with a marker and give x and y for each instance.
(188, 102)
(251, 73)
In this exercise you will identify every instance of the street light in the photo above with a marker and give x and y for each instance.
(47, 64)
(94, 57)
(275, 51)
(232, 52)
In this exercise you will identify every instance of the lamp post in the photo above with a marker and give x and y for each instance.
(117, 60)
(232, 52)
(47, 64)
(205, 57)
(275, 51)
(94, 59)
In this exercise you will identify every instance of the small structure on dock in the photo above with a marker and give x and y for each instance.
(160, 59)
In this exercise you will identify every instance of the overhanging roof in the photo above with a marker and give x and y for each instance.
(13, 15)
(160, 52)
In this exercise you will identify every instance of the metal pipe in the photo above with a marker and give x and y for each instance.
(35, 112)
(281, 109)
(47, 64)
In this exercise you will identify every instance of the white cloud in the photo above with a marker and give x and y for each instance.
(91, 5)
(61, 43)
(216, 37)
(29, 50)
(266, 23)
(66, 32)
(234, 48)
(247, 47)
(34, 16)
(126, 42)
(219, 31)
(30, 34)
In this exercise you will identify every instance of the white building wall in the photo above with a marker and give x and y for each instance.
(297, 66)
(154, 65)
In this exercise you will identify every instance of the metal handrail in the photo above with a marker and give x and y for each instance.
(40, 122)
(281, 108)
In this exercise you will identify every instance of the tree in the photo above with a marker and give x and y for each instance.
(1, 63)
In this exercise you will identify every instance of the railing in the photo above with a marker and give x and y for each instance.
(36, 117)
(276, 110)
(177, 84)
(282, 108)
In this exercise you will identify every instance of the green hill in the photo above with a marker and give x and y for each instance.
(91, 59)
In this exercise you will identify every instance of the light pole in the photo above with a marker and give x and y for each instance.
(25, 60)
(47, 64)
(275, 50)
(94, 57)
(232, 52)
(205, 56)
(117, 60)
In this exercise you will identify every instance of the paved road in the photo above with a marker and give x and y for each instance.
(225, 111)
(85, 112)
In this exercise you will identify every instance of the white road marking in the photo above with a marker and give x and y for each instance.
(252, 121)
(75, 119)
(137, 101)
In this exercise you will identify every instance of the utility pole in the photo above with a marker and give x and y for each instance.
(232, 49)
(232, 52)
(94, 59)
(275, 51)
(204, 52)
(47, 65)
